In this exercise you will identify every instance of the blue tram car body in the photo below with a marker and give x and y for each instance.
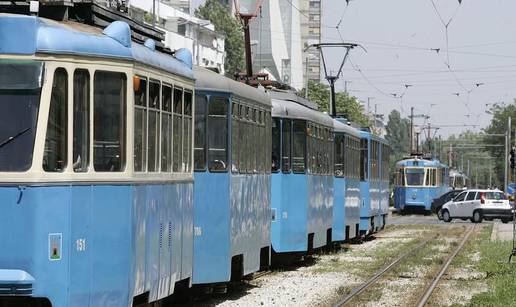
(418, 182)
(80, 225)
(373, 182)
(346, 184)
(302, 182)
(232, 183)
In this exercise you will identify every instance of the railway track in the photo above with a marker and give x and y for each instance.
(430, 288)
(435, 281)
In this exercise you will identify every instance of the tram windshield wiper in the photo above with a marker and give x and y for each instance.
(14, 137)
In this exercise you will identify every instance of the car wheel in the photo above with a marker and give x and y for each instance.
(446, 216)
(477, 217)
(440, 214)
(505, 221)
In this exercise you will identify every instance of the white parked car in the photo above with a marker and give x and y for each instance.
(477, 205)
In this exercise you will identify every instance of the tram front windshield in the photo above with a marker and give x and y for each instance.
(415, 176)
(20, 89)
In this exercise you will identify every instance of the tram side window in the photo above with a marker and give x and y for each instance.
(217, 134)
(109, 121)
(235, 124)
(153, 141)
(140, 125)
(166, 128)
(187, 132)
(339, 155)
(255, 142)
(55, 154)
(200, 133)
(81, 120)
(242, 140)
(298, 146)
(177, 159)
(285, 141)
(276, 145)
(364, 160)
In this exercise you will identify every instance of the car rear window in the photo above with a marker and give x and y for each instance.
(495, 195)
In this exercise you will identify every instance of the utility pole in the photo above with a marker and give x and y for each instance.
(507, 144)
(346, 86)
(306, 73)
(411, 129)
(368, 106)
(153, 14)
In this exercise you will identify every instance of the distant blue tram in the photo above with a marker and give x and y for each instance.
(302, 175)
(232, 179)
(418, 182)
(374, 182)
(346, 184)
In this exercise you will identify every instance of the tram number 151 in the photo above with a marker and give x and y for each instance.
(81, 245)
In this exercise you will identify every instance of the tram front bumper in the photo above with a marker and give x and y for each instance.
(15, 283)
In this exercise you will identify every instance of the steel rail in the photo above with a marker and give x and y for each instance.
(426, 296)
(356, 291)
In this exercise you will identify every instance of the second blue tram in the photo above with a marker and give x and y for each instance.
(232, 179)
(302, 179)
(418, 182)
(346, 184)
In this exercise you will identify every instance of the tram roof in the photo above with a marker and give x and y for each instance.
(208, 80)
(292, 109)
(28, 35)
(421, 162)
(343, 128)
(366, 134)
(456, 173)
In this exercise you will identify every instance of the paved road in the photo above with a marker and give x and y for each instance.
(420, 219)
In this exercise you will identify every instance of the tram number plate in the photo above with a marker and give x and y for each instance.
(81, 245)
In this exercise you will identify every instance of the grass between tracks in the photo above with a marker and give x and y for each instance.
(499, 275)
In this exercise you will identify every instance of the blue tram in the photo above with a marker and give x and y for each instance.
(374, 182)
(302, 175)
(418, 182)
(346, 184)
(96, 189)
(232, 179)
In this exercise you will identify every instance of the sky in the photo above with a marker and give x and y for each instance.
(402, 37)
(451, 80)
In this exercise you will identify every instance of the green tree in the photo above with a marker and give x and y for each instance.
(224, 23)
(501, 113)
(348, 105)
(398, 137)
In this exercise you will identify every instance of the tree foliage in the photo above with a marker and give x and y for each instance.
(348, 105)
(501, 113)
(398, 137)
(219, 15)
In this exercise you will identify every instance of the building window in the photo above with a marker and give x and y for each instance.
(109, 121)
(55, 154)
